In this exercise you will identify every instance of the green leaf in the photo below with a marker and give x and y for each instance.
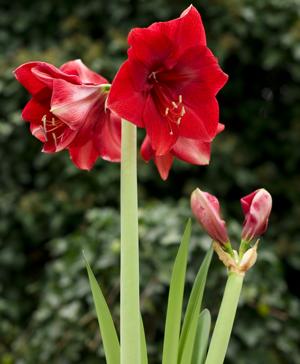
(201, 339)
(174, 309)
(107, 328)
(144, 357)
(189, 327)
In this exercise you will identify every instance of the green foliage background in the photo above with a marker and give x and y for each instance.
(50, 211)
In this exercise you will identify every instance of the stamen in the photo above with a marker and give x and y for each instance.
(179, 121)
(153, 75)
(167, 111)
(180, 99)
(44, 121)
(174, 104)
(53, 121)
(54, 138)
(182, 111)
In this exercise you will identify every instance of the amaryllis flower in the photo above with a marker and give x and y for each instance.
(257, 208)
(67, 111)
(206, 209)
(188, 150)
(169, 83)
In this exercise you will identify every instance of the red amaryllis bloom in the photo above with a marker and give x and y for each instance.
(188, 150)
(169, 83)
(206, 209)
(257, 208)
(67, 111)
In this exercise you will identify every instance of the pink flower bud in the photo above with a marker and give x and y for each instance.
(256, 207)
(206, 209)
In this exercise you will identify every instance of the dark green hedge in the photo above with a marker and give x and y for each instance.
(49, 211)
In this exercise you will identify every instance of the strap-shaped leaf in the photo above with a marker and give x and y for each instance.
(174, 309)
(107, 328)
(189, 327)
(144, 357)
(201, 339)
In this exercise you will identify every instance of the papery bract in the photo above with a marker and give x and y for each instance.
(67, 111)
(257, 208)
(206, 209)
(169, 83)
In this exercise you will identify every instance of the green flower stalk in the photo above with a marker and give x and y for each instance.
(130, 306)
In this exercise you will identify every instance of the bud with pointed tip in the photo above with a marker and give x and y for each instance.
(256, 207)
(206, 209)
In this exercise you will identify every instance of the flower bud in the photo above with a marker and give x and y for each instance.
(206, 209)
(256, 207)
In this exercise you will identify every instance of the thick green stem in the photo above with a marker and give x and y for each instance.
(221, 335)
(130, 306)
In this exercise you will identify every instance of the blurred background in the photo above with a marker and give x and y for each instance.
(50, 211)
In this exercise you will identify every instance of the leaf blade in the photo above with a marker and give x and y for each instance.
(201, 339)
(107, 328)
(189, 327)
(144, 357)
(174, 308)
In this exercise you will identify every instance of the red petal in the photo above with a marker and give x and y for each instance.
(197, 67)
(46, 73)
(201, 118)
(192, 151)
(34, 111)
(220, 128)
(150, 47)
(75, 104)
(56, 143)
(147, 152)
(85, 156)
(126, 97)
(246, 201)
(158, 129)
(78, 68)
(38, 131)
(186, 31)
(24, 75)
(164, 164)
(108, 140)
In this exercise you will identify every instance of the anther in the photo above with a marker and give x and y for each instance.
(180, 99)
(167, 111)
(182, 111)
(174, 104)
(179, 121)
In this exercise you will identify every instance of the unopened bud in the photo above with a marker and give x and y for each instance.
(256, 207)
(206, 209)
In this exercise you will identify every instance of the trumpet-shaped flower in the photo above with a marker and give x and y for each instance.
(169, 83)
(67, 111)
